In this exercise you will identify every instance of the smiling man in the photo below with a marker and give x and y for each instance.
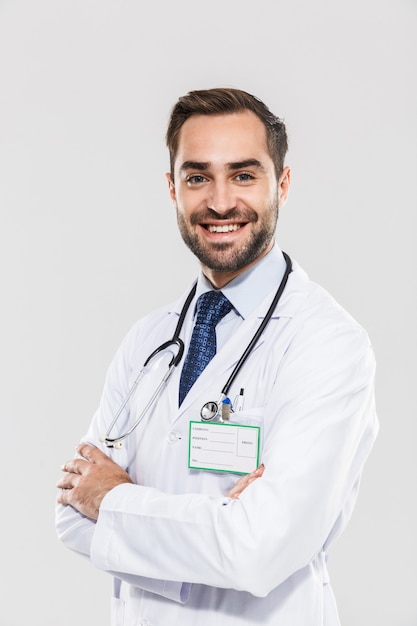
(227, 192)
(215, 499)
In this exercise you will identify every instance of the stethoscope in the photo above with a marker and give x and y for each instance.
(210, 411)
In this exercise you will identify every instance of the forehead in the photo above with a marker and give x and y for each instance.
(222, 138)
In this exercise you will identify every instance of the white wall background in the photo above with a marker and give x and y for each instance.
(88, 243)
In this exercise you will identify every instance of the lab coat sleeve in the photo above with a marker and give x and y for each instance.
(323, 428)
(75, 530)
(76, 533)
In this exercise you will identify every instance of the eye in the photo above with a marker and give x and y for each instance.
(244, 177)
(195, 179)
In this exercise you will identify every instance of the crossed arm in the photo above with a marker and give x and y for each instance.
(90, 477)
(320, 426)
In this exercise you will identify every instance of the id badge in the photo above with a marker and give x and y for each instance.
(223, 447)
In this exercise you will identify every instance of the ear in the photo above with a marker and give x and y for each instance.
(284, 186)
(171, 187)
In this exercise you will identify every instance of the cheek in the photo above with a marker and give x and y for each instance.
(263, 204)
(190, 203)
(262, 195)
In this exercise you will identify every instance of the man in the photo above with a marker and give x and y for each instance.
(187, 541)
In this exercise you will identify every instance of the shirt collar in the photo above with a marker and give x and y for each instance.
(250, 288)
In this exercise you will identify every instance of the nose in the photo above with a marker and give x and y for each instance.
(221, 198)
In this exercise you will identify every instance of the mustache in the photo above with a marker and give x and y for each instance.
(248, 215)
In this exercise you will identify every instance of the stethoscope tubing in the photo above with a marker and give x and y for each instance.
(176, 358)
(263, 325)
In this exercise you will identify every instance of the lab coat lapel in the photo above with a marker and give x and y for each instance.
(218, 370)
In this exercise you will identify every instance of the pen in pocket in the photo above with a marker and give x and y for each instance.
(238, 403)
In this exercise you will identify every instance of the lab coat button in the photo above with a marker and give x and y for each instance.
(173, 438)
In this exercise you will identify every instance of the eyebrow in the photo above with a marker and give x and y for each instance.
(194, 165)
(237, 165)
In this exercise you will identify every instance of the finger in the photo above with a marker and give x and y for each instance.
(245, 481)
(75, 466)
(259, 470)
(240, 486)
(241, 483)
(235, 491)
(91, 453)
(67, 481)
(62, 497)
(66, 496)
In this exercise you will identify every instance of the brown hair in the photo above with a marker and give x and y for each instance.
(224, 100)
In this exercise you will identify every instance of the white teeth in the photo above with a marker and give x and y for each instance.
(227, 228)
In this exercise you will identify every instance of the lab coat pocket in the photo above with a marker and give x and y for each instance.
(250, 417)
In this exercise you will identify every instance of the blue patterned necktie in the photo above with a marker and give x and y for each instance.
(211, 307)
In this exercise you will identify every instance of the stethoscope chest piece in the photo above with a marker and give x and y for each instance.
(210, 412)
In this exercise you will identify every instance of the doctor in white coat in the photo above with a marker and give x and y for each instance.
(187, 541)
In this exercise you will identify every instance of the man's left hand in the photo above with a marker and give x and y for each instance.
(88, 479)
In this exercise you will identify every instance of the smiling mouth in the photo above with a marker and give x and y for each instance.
(224, 228)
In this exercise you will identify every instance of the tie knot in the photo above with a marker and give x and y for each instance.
(211, 307)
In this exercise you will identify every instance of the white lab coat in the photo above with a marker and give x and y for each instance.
(181, 553)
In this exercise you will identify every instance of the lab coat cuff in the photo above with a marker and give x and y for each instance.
(103, 556)
(74, 530)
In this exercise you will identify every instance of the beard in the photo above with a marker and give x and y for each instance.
(226, 256)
